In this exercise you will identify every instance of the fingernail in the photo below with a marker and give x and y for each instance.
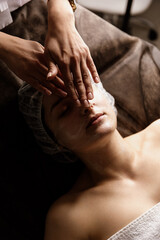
(62, 94)
(90, 96)
(78, 103)
(97, 80)
(48, 92)
(49, 74)
(86, 103)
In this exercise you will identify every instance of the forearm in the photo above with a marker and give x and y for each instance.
(5, 41)
(65, 47)
(59, 5)
(9, 45)
(60, 14)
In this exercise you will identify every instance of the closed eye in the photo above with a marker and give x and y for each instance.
(64, 112)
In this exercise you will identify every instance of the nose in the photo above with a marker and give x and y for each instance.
(85, 110)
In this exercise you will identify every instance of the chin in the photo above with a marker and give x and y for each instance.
(97, 134)
(102, 131)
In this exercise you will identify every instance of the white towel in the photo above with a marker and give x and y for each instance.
(145, 227)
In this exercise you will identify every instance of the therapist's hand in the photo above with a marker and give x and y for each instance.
(65, 48)
(26, 59)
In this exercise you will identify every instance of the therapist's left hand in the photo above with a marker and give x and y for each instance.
(65, 48)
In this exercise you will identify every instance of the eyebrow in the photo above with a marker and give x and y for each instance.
(55, 104)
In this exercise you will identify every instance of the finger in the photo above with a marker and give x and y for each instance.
(87, 80)
(39, 70)
(58, 82)
(43, 59)
(43, 90)
(38, 83)
(38, 76)
(68, 80)
(59, 73)
(52, 70)
(79, 85)
(54, 89)
(42, 70)
(40, 80)
(93, 70)
(34, 83)
(58, 91)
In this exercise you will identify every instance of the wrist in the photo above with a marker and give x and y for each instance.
(72, 3)
(4, 39)
(8, 44)
(60, 9)
(59, 6)
(60, 15)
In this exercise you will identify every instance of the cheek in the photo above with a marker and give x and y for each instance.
(70, 132)
(111, 123)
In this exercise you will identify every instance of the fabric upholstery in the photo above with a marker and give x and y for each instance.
(129, 69)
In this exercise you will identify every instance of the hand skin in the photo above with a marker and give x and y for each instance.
(65, 48)
(26, 59)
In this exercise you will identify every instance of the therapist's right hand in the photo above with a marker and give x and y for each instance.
(26, 59)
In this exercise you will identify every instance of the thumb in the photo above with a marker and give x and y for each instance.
(52, 71)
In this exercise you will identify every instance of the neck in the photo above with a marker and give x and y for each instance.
(112, 159)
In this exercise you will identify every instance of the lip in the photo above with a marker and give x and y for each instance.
(94, 119)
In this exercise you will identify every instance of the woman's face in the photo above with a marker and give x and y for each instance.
(78, 128)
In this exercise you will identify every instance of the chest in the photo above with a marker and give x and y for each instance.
(111, 212)
(110, 219)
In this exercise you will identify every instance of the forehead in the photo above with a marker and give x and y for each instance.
(49, 100)
(53, 98)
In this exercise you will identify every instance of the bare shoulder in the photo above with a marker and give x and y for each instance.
(64, 220)
(150, 136)
(155, 124)
(154, 129)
